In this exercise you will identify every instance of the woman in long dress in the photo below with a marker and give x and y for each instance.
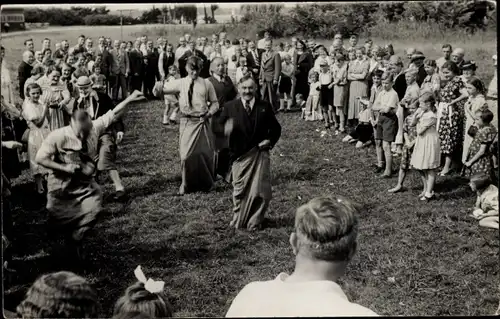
(475, 103)
(56, 96)
(450, 114)
(357, 75)
(36, 114)
(304, 64)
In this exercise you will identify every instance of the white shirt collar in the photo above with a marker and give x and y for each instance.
(252, 103)
(217, 77)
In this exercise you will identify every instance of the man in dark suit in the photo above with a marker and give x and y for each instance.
(151, 72)
(270, 70)
(106, 62)
(97, 104)
(192, 51)
(253, 58)
(136, 68)
(166, 59)
(24, 71)
(252, 130)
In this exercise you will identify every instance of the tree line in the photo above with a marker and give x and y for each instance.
(326, 19)
(101, 15)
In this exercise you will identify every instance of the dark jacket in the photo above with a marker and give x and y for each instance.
(23, 73)
(136, 61)
(249, 129)
(399, 85)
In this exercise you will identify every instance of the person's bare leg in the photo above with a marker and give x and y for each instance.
(380, 153)
(447, 165)
(388, 158)
(401, 179)
(423, 177)
(431, 179)
(115, 177)
(39, 183)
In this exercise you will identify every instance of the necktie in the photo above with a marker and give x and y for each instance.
(190, 93)
(247, 107)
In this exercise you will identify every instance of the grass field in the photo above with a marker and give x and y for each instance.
(420, 259)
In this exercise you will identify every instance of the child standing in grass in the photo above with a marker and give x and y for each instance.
(313, 108)
(486, 208)
(386, 103)
(171, 100)
(285, 83)
(426, 153)
(410, 136)
(480, 157)
(339, 74)
(326, 93)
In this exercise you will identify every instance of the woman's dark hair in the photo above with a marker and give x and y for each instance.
(303, 44)
(138, 299)
(52, 68)
(452, 67)
(478, 84)
(481, 181)
(486, 116)
(32, 86)
(378, 73)
(389, 49)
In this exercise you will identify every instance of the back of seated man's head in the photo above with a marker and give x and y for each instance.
(326, 230)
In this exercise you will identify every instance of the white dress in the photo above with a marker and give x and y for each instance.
(426, 153)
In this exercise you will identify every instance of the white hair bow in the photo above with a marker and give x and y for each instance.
(149, 284)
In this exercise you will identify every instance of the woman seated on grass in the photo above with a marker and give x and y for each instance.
(486, 208)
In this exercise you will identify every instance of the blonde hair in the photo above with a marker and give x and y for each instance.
(327, 228)
(59, 295)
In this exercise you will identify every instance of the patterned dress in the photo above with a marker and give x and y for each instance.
(53, 95)
(485, 136)
(411, 131)
(451, 127)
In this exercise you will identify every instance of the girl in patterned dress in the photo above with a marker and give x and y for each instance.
(56, 96)
(426, 153)
(480, 157)
(476, 102)
(450, 114)
(36, 114)
(486, 208)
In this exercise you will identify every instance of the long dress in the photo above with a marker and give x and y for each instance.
(451, 126)
(426, 152)
(53, 95)
(357, 88)
(340, 89)
(473, 104)
(484, 165)
(34, 112)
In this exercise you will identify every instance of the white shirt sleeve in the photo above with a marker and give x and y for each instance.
(102, 122)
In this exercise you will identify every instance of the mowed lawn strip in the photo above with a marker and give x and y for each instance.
(414, 258)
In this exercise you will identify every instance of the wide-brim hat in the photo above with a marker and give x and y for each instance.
(468, 65)
(417, 56)
(83, 81)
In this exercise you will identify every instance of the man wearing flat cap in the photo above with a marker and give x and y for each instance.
(97, 104)
(417, 59)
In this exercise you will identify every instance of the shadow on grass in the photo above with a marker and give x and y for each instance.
(155, 184)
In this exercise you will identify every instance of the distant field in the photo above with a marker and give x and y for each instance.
(414, 258)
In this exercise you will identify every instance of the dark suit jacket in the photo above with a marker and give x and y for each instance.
(251, 61)
(23, 73)
(107, 61)
(304, 63)
(168, 61)
(136, 61)
(399, 85)
(421, 75)
(151, 68)
(102, 106)
(249, 129)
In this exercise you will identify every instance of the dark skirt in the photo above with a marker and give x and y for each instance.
(285, 85)
(325, 96)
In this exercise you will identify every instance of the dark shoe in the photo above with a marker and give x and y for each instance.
(379, 170)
